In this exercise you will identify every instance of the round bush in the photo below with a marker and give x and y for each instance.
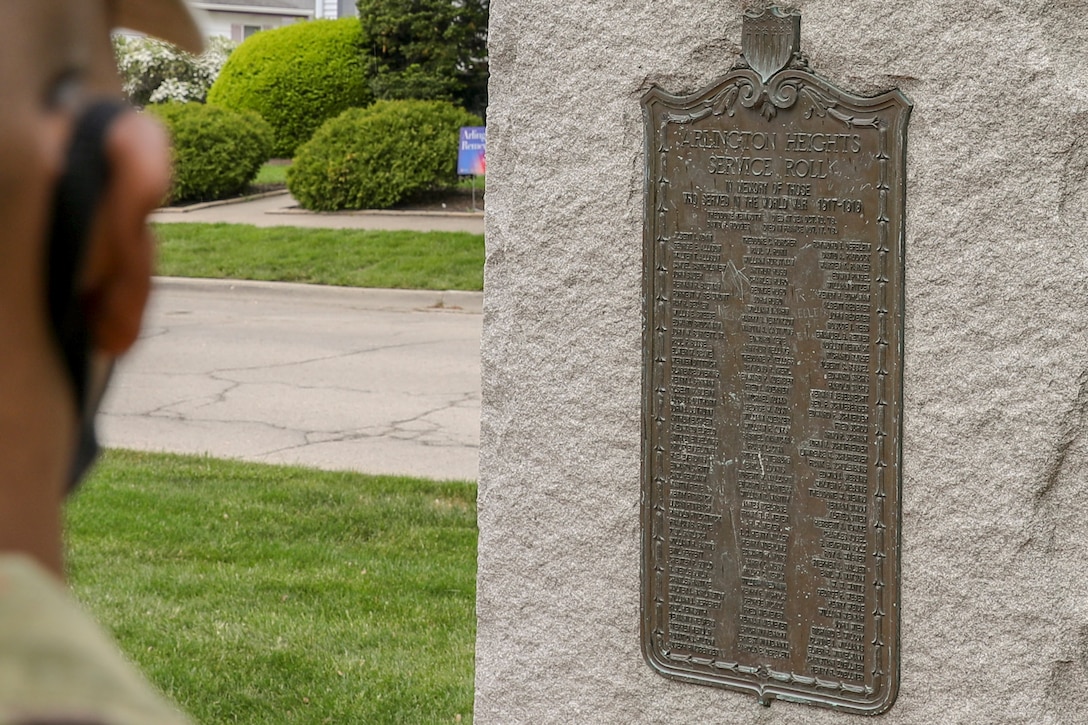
(371, 158)
(296, 77)
(217, 152)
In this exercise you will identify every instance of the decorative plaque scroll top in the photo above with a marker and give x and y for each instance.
(772, 380)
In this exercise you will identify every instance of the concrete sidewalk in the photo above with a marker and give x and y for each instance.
(281, 209)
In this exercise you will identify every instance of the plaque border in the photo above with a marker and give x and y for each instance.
(743, 91)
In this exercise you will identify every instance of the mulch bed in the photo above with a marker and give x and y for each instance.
(450, 200)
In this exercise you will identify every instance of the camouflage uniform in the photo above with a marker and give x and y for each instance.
(58, 667)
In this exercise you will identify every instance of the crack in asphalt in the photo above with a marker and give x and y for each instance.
(394, 428)
(389, 431)
(171, 410)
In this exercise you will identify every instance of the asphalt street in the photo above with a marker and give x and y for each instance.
(377, 381)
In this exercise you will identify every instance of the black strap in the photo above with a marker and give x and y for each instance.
(74, 203)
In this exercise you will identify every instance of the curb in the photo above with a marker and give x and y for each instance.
(378, 212)
(295, 209)
(220, 202)
(351, 297)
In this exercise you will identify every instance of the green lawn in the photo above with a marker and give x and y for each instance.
(264, 594)
(272, 174)
(468, 182)
(353, 258)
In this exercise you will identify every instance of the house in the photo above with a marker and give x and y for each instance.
(239, 19)
(336, 8)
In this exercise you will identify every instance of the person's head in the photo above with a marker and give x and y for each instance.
(56, 61)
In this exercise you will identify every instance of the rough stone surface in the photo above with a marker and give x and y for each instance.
(995, 485)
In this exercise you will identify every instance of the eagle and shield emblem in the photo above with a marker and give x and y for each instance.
(771, 38)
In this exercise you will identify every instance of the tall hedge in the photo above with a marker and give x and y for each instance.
(427, 49)
(217, 152)
(374, 157)
(296, 77)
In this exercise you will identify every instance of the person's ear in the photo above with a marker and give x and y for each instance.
(116, 278)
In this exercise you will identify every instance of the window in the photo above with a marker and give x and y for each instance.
(238, 33)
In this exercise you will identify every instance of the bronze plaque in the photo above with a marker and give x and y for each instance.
(772, 393)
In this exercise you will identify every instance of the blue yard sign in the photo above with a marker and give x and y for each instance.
(470, 155)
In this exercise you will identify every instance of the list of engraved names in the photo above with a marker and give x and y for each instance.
(770, 252)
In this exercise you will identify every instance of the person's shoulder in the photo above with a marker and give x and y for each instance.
(58, 666)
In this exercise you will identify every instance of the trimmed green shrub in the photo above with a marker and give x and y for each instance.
(296, 77)
(217, 152)
(427, 49)
(374, 157)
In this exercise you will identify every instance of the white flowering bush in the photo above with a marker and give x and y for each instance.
(156, 72)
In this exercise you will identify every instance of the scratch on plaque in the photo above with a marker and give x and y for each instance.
(762, 470)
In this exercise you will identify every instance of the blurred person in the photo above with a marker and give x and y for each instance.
(79, 174)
